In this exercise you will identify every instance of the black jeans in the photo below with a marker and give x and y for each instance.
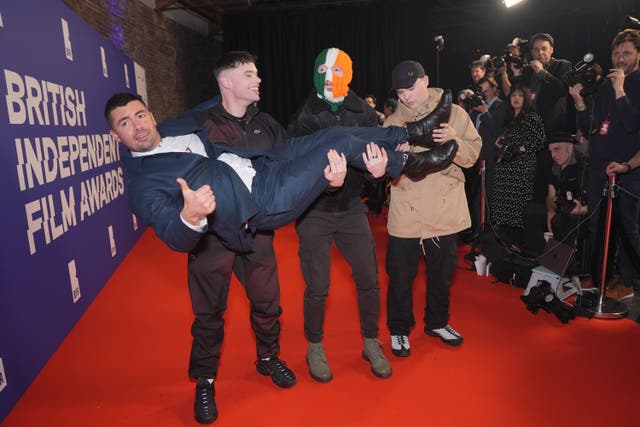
(210, 267)
(352, 235)
(402, 260)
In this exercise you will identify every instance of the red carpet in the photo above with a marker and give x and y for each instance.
(125, 362)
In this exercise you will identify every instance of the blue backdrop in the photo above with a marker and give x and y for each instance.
(66, 224)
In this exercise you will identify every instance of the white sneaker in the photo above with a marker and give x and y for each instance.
(400, 345)
(448, 335)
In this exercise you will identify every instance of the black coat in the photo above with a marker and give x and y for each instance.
(316, 114)
(490, 125)
(551, 95)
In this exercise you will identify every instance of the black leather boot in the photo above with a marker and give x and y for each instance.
(419, 165)
(420, 132)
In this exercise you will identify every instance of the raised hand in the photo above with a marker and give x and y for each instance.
(198, 204)
(375, 159)
(336, 170)
(616, 75)
(574, 91)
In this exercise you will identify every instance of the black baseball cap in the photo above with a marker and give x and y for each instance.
(405, 74)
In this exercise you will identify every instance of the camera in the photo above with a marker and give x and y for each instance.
(510, 58)
(522, 44)
(508, 152)
(472, 100)
(497, 62)
(517, 61)
(565, 203)
(588, 73)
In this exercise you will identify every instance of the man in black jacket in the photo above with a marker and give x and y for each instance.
(612, 118)
(237, 122)
(337, 216)
(547, 82)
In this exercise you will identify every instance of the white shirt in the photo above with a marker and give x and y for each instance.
(192, 144)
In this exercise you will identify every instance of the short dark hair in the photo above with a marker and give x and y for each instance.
(233, 59)
(492, 82)
(391, 103)
(541, 36)
(373, 98)
(628, 35)
(119, 100)
(478, 64)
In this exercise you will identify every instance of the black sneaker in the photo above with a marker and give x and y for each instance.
(448, 335)
(400, 345)
(277, 369)
(204, 407)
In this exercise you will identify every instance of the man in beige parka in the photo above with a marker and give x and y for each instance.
(425, 216)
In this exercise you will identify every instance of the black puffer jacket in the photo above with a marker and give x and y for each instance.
(316, 114)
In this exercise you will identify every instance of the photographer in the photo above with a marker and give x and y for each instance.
(487, 112)
(567, 195)
(478, 70)
(519, 141)
(509, 67)
(489, 121)
(545, 76)
(612, 117)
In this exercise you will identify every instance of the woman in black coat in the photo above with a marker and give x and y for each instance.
(521, 138)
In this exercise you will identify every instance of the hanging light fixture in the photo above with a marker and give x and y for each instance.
(509, 3)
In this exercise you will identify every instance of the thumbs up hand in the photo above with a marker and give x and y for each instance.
(198, 204)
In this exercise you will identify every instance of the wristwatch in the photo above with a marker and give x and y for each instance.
(627, 165)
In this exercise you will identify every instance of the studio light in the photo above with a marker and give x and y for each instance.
(509, 3)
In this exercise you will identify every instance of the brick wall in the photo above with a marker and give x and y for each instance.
(177, 61)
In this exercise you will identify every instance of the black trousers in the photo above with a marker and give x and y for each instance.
(351, 233)
(210, 266)
(403, 256)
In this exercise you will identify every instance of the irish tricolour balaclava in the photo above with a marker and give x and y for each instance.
(332, 75)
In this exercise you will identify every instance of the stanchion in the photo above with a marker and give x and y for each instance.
(607, 308)
(439, 40)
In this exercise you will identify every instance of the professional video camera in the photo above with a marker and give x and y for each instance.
(588, 73)
(475, 99)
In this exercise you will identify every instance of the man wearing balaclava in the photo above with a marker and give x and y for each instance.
(337, 216)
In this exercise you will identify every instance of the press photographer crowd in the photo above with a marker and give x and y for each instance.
(554, 137)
